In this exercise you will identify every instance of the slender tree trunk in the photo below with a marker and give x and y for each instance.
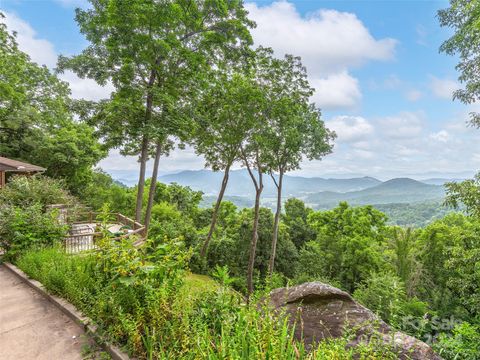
(153, 187)
(203, 253)
(253, 244)
(276, 224)
(141, 179)
(144, 149)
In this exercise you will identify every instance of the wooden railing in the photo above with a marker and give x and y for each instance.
(87, 235)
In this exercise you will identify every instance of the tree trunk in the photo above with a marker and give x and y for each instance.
(141, 179)
(203, 253)
(144, 150)
(153, 187)
(253, 244)
(276, 224)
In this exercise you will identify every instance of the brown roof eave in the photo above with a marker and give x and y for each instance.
(9, 165)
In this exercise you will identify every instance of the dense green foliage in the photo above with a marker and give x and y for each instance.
(183, 72)
(150, 305)
(25, 219)
(463, 17)
(36, 118)
(417, 214)
(22, 229)
(414, 279)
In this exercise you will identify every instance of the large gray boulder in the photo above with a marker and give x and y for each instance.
(321, 311)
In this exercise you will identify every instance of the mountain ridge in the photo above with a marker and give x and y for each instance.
(240, 183)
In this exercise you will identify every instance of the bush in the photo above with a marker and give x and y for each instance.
(71, 277)
(24, 228)
(385, 294)
(23, 191)
(25, 220)
(462, 345)
(154, 308)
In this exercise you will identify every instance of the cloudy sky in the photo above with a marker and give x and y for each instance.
(379, 78)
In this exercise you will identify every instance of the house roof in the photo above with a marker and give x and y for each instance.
(18, 166)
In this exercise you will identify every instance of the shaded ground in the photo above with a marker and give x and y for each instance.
(33, 328)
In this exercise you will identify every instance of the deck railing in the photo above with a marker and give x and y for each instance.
(83, 234)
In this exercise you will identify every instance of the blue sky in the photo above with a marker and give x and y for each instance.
(381, 82)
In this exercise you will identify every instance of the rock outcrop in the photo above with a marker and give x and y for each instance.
(320, 311)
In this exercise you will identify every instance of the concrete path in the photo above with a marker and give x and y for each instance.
(33, 328)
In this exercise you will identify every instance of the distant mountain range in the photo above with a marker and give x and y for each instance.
(398, 191)
(406, 201)
(240, 184)
(441, 181)
(317, 192)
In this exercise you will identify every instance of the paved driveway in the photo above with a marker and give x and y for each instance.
(33, 328)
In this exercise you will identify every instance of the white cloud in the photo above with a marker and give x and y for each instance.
(399, 145)
(422, 35)
(441, 136)
(443, 88)
(404, 151)
(86, 89)
(330, 43)
(336, 91)
(405, 125)
(413, 95)
(126, 167)
(43, 52)
(476, 158)
(327, 40)
(350, 129)
(392, 82)
(40, 50)
(362, 154)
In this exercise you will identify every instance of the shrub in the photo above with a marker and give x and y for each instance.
(25, 219)
(154, 308)
(69, 276)
(463, 344)
(23, 191)
(385, 294)
(24, 228)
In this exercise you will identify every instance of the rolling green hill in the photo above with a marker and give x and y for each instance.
(398, 191)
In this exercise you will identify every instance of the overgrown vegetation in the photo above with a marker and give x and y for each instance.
(193, 79)
(156, 309)
(420, 281)
(25, 219)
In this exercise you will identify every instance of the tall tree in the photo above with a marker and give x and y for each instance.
(464, 194)
(463, 16)
(251, 155)
(294, 130)
(134, 44)
(223, 122)
(163, 147)
(255, 148)
(36, 119)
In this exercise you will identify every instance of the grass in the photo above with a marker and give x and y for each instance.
(156, 312)
(195, 285)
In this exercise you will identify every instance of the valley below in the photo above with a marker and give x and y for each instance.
(405, 201)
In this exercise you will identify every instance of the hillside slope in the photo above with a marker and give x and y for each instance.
(401, 190)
